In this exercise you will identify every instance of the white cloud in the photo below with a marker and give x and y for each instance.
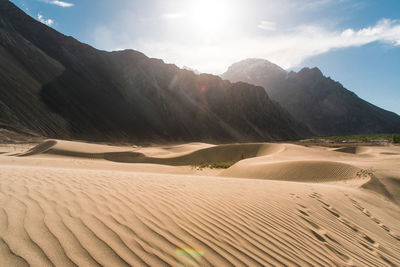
(385, 30)
(287, 49)
(61, 3)
(267, 25)
(58, 3)
(48, 22)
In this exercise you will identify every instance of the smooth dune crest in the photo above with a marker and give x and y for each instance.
(175, 155)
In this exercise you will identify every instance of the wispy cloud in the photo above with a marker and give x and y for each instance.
(267, 25)
(287, 49)
(48, 22)
(385, 30)
(59, 3)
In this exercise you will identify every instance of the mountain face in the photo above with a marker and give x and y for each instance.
(55, 86)
(324, 105)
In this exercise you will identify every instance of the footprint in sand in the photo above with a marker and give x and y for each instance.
(374, 219)
(369, 244)
(322, 235)
(387, 260)
(315, 195)
(294, 196)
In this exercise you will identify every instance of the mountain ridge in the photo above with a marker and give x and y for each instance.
(321, 103)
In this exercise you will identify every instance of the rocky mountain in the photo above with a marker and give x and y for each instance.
(55, 86)
(321, 103)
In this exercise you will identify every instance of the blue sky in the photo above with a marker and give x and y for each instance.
(352, 41)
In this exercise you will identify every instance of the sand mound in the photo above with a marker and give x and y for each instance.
(78, 217)
(376, 185)
(174, 151)
(353, 150)
(221, 153)
(39, 149)
(192, 154)
(385, 185)
(270, 149)
(296, 171)
(76, 149)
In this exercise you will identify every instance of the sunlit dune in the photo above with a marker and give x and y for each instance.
(69, 203)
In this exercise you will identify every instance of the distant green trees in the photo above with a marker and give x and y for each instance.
(395, 138)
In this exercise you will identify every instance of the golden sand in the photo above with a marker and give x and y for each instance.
(69, 203)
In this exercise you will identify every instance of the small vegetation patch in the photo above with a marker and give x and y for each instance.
(365, 173)
(214, 165)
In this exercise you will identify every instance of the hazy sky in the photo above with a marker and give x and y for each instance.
(352, 41)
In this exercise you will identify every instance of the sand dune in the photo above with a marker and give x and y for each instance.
(69, 148)
(353, 150)
(177, 156)
(68, 204)
(299, 171)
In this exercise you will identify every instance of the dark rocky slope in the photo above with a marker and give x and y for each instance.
(324, 105)
(55, 86)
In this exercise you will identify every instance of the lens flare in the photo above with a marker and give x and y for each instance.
(189, 254)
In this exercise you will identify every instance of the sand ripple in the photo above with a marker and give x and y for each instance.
(69, 217)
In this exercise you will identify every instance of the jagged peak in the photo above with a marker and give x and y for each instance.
(311, 71)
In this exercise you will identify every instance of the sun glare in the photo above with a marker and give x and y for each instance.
(210, 16)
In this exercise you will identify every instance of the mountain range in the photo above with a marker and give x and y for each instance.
(55, 86)
(324, 105)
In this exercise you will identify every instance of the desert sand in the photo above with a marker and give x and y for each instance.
(70, 203)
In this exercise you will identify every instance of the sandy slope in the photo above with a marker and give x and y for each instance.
(67, 203)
